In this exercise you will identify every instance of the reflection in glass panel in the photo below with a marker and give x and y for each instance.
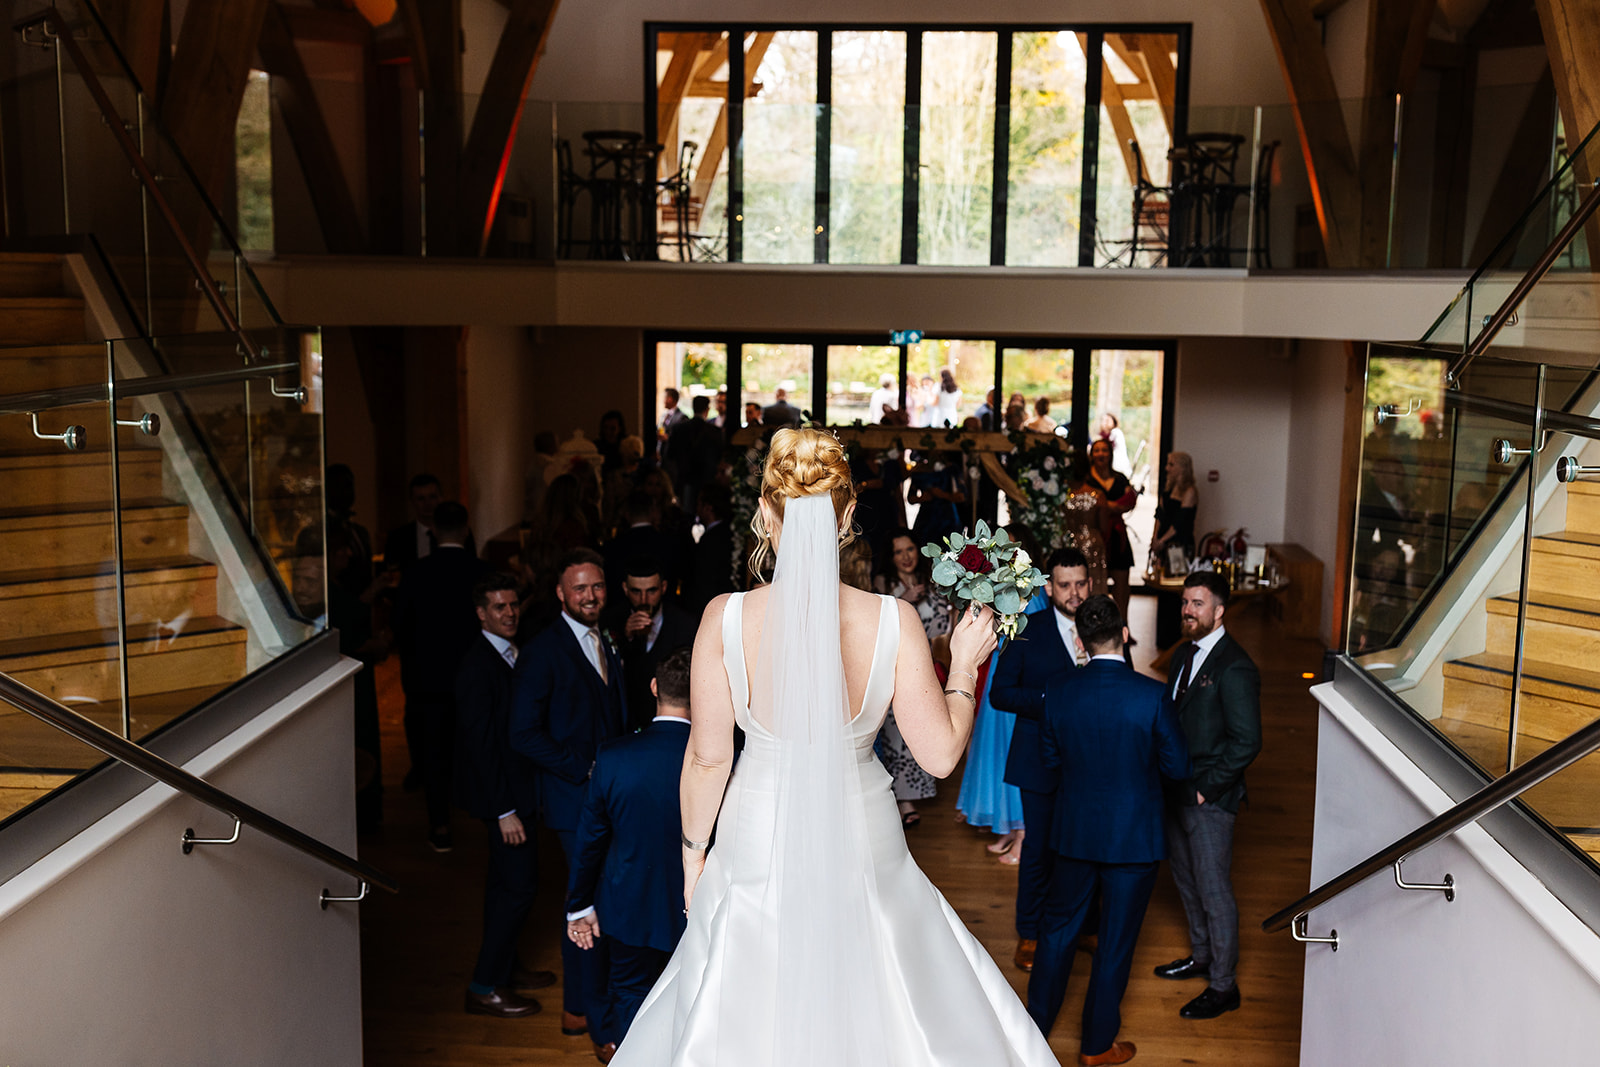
(1033, 375)
(1125, 409)
(863, 382)
(866, 167)
(253, 164)
(956, 189)
(773, 372)
(694, 368)
(1046, 150)
(692, 125)
(933, 367)
(1138, 76)
(780, 150)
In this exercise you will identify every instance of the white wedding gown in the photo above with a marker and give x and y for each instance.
(942, 1001)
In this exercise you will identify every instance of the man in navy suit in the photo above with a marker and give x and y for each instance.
(1108, 736)
(496, 785)
(628, 878)
(650, 628)
(435, 624)
(1047, 649)
(568, 701)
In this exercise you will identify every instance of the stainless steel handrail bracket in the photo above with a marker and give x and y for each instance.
(189, 840)
(1297, 930)
(326, 898)
(1447, 887)
(74, 437)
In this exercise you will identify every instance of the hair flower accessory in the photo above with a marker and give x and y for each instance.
(986, 568)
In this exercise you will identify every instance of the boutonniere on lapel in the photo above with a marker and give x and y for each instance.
(610, 641)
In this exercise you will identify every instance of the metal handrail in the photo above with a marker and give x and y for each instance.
(73, 396)
(1508, 307)
(1497, 793)
(143, 760)
(57, 27)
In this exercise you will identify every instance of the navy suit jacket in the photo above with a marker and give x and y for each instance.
(435, 621)
(1109, 735)
(560, 715)
(490, 778)
(1026, 667)
(627, 864)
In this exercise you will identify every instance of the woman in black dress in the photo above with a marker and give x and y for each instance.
(1117, 498)
(1175, 516)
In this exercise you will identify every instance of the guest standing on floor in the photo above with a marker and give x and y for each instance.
(648, 629)
(985, 799)
(711, 558)
(1108, 738)
(434, 625)
(1117, 498)
(1217, 690)
(568, 701)
(912, 582)
(626, 886)
(1174, 529)
(496, 785)
(1047, 649)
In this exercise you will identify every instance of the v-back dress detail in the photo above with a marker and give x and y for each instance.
(947, 1003)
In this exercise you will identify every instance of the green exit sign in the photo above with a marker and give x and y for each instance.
(905, 337)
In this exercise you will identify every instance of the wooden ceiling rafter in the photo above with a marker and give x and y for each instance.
(717, 144)
(686, 50)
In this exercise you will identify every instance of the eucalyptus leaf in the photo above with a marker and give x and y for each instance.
(1001, 537)
(982, 592)
(1007, 601)
(946, 572)
(981, 531)
(930, 550)
(957, 542)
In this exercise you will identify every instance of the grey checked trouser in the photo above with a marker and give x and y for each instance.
(1200, 848)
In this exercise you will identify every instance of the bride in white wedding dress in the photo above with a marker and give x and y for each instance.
(813, 938)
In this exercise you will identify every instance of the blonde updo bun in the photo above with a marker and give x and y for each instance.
(802, 462)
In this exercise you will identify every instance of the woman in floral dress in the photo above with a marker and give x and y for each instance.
(910, 578)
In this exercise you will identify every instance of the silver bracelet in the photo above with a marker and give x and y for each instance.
(696, 846)
(969, 674)
(961, 693)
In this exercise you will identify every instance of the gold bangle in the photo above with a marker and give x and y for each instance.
(961, 693)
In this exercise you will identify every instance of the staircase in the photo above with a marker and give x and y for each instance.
(1561, 673)
(58, 592)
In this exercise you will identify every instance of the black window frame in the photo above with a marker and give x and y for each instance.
(910, 194)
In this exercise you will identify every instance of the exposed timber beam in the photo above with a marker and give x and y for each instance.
(329, 25)
(494, 124)
(1319, 121)
(210, 68)
(1112, 100)
(1396, 32)
(717, 144)
(303, 120)
(1526, 168)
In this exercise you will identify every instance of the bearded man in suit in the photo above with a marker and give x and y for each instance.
(1217, 690)
(568, 701)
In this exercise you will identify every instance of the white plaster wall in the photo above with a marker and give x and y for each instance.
(500, 373)
(1504, 974)
(118, 948)
(1316, 445)
(596, 51)
(1233, 416)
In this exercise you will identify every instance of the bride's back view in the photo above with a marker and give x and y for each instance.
(813, 938)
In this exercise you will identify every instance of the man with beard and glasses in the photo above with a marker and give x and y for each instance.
(569, 700)
(1217, 691)
(1048, 648)
(650, 631)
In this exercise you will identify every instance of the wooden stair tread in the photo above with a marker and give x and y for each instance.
(1570, 542)
(48, 453)
(102, 569)
(35, 747)
(64, 303)
(1494, 668)
(146, 507)
(142, 639)
(1552, 607)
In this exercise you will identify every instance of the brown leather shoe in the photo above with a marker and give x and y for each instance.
(502, 1004)
(574, 1025)
(523, 978)
(603, 1053)
(1023, 959)
(1119, 1052)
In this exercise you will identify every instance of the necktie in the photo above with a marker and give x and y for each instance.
(511, 655)
(1079, 655)
(599, 655)
(1183, 676)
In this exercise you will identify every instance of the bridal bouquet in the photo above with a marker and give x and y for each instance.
(986, 568)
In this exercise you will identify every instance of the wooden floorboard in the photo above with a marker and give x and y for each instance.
(418, 946)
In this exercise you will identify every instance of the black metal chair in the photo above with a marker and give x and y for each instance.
(1152, 213)
(571, 188)
(1261, 246)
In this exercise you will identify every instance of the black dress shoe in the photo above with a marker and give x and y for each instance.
(1211, 1003)
(441, 839)
(1178, 970)
(502, 1004)
(523, 978)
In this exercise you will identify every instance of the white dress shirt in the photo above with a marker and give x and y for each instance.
(1069, 637)
(508, 652)
(1202, 649)
(591, 649)
(424, 540)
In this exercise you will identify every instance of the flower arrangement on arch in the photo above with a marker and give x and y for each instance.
(986, 568)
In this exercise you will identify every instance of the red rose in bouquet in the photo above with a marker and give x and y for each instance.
(974, 561)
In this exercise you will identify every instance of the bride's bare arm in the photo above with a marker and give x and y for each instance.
(709, 757)
(935, 724)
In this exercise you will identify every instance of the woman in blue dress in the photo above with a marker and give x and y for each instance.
(985, 798)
